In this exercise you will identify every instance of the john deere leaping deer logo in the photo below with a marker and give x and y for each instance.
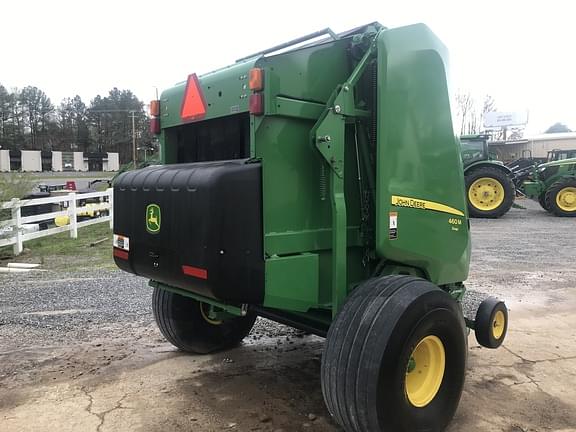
(153, 218)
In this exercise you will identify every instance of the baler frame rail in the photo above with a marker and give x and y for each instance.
(325, 31)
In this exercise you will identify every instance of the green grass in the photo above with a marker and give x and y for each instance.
(59, 251)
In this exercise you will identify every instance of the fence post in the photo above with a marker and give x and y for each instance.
(73, 215)
(111, 201)
(17, 219)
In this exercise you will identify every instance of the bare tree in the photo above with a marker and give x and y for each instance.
(465, 104)
(489, 105)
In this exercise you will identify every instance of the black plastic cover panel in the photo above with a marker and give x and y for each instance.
(194, 226)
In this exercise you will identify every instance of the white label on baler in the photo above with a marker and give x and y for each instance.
(393, 226)
(121, 242)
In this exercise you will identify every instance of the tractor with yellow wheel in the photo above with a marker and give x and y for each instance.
(490, 187)
(553, 184)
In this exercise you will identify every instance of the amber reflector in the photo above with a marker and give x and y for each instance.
(155, 108)
(256, 81)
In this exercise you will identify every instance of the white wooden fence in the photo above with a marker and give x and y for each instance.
(14, 231)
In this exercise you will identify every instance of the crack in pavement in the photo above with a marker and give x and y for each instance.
(526, 362)
(522, 359)
(101, 416)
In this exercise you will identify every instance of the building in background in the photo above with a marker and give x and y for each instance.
(4, 160)
(37, 161)
(536, 146)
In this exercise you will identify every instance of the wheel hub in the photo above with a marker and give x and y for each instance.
(425, 371)
(486, 193)
(498, 324)
(566, 199)
(206, 311)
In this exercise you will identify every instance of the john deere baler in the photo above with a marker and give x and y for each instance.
(319, 184)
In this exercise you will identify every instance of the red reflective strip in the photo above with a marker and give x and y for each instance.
(122, 254)
(195, 271)
(193, 104)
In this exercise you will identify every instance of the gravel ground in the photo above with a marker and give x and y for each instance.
(80, 351)
(71, 309)
(42, 312)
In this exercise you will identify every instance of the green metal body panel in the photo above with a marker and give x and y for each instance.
(225, 91)
(533, 189)
(292, 282)
(343, 159)
(419, 157)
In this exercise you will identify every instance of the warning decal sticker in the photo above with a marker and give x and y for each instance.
(393, 227)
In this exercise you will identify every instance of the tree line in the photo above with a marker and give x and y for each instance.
(30, 121)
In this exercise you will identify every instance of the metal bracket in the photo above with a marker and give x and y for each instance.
(231, 309)
(328, 136)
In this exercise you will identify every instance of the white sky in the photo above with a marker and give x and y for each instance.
(520, 52)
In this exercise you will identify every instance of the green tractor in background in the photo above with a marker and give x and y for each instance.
(553, 184)
(490, 187)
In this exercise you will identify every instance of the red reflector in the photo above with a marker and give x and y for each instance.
(155, 126)
(122, 254)
(257, 104)
(193, 104)
(195, 271)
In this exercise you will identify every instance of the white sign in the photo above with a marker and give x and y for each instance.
(503, 119)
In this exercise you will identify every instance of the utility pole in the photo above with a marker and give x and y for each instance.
(133, 115)
(134, 154)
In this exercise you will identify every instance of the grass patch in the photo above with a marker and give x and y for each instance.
(59, 251)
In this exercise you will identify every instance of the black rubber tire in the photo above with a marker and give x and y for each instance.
(181, 322)
(506, 182)
(368, 348)
(542, 201)
(484, 322)
(551, 193)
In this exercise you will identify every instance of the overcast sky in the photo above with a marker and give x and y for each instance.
(520, 52)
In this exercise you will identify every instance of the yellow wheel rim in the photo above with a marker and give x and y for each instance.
(206, 317)
(425, 371)
(486, 193)
(498, 324)
(566, 199)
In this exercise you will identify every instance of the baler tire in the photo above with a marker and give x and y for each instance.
(182, 323)
(551, 197)
(491, 323)
(370, 346)
(501, 177)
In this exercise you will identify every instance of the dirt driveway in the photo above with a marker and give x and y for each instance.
(79, 351)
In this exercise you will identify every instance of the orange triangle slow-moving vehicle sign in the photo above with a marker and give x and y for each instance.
(193, 103)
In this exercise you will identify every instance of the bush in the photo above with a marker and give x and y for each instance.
(14, 185)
